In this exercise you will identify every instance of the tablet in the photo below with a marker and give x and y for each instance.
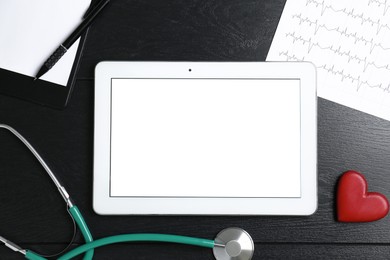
(205, 138)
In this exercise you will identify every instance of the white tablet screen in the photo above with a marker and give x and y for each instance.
(205, 138)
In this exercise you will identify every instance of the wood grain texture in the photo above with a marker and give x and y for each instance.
(189, 30)
(263, 251)
(33, 213)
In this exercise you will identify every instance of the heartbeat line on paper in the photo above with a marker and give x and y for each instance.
(338, 51)
(343, 32)
(385, 4)
(348, 41)
(343, 76)
(350, 13)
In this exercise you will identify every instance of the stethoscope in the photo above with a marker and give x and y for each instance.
(231, 243)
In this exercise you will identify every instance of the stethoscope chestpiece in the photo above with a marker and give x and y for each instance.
(233, 244)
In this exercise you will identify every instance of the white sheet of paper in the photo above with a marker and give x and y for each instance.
(349, 43)
(32, 30)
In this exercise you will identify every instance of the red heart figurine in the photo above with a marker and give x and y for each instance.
(355, 204)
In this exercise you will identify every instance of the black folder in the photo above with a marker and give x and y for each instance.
(40, 91)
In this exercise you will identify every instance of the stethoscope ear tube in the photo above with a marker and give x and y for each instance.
(230, 243)
(61, 189)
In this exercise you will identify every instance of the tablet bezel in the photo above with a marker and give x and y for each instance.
(106, 205)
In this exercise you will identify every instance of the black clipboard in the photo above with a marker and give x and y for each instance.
(40, 91)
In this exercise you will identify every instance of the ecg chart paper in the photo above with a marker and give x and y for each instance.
(349, 43)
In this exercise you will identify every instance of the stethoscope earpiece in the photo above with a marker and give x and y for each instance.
(233, 244)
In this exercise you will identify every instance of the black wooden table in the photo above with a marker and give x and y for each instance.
(34, 215)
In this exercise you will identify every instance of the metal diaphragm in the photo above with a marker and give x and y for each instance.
(233, 244)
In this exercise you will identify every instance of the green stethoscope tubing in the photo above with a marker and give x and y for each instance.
(129, 238)
(78, 218)
(73, 210)
(89, 247)
(138, 238)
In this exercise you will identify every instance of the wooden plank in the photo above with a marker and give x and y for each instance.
(262, 251)
(216, 30)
